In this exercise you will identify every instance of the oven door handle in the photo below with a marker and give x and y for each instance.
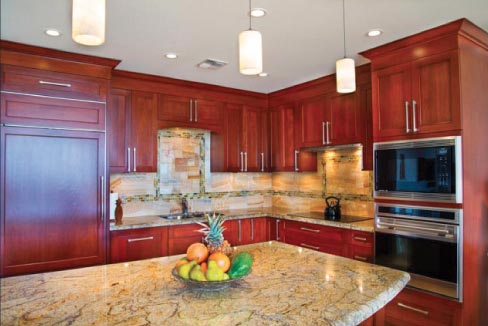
(413, 227)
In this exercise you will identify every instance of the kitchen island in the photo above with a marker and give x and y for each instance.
(288, 285)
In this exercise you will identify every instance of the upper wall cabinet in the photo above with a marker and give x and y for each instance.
(180, 111)
(132, 131)
(417, 98)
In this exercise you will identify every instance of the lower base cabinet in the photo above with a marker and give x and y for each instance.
(415, 308)
(182, 236)
(128, 245)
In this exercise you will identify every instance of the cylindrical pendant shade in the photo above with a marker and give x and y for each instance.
(88, 22)
(250, 52)
(345, 75)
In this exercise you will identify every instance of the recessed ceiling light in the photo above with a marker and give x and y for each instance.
(52, 32)
(375, 32)
(263, 74)
(171, 55)
(258, 12)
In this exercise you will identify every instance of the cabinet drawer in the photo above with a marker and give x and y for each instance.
(137, 244)
(49, 112)
(316, 232)
(48, 83)
(181, 236)
(361, 238)
(361, 253)
(415, 308)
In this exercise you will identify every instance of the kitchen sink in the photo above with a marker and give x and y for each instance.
(181, 216)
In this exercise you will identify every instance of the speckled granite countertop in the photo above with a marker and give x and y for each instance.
(155, 220)
(288, 286)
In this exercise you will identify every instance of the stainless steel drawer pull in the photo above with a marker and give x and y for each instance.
(140, 239)
(296, 160)
(191, 110)
(420, 311)
(245, 161)
(323, 133)
(360, 258)
(128, 159)
(277, 230)
(262, 162)
(309, 246)
(239, 231)
(310, 230)
(407, 126)
(414, 116)
(43, 82)
(360, 239)
(135, 160)
(327, 125)
(196, 111)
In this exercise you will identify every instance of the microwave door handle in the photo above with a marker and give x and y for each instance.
(413, 227)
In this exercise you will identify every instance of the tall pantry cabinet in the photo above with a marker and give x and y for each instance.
(53, 154)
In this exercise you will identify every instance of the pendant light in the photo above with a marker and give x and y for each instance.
(250, 50)
(88, 22)
(345, 68)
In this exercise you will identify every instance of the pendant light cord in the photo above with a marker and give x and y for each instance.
(250, 16)
(343, 23)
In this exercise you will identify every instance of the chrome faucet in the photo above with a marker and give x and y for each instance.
(184, 206)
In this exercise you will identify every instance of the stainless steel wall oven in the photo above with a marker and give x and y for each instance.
(423, 241)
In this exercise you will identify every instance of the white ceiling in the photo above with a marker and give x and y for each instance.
(301, 38)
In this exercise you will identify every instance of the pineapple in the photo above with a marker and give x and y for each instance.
(213, 234)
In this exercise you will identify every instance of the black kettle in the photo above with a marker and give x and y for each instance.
(333, 209)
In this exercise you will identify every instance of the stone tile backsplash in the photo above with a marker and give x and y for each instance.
(184, 171)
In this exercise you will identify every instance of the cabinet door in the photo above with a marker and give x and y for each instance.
(311, 116)
(208, 113)
(51, 185)
(435, 88)
(282, 139)
(253, 139)
(175, 108)
(258, 229)
(391, 92)
(343, 113)
(137, 244)
(144, 132)
(276, 229)
(265, 142)
(231, 232)
(234, 138)
(180, 237)
(118, 130)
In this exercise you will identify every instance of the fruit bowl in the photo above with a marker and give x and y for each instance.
(207, 285)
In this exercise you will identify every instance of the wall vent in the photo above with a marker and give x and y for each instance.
(212, 64)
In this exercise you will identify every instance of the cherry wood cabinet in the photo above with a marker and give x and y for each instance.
(129, 245)
(132, 131)
(245, 231)
(417, 98)
(360, 245)
(245, 139)
(52, 186)
(285, 155)
(414, 308)
(275, 229)
(183, 111)
(181, 236)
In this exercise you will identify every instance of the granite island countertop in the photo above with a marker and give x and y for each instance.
(288, 285)
(156, 220)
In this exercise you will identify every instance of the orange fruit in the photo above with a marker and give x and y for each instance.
(221, 259)
(181, 262)
(204, 267)
(197, 251)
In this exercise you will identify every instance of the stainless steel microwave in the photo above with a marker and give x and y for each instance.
(422, 169)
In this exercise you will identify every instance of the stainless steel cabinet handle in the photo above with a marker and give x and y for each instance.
(323, 133)
(252, 230)
(412, 227)
(245, 161)
(262, 162)
(414, 116)
(327, 127)
(360, 239)
(135, 160)
(43, 82)
(239, 231)
(309, 246)
(102, 195)
(407, 118)
(423, 312)
(242, 162)
(360, 258)
(128, 159)
(140, 239)
(191, 110)
(296, 160)
(277, 229)
(196, 110)
(310, 230)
